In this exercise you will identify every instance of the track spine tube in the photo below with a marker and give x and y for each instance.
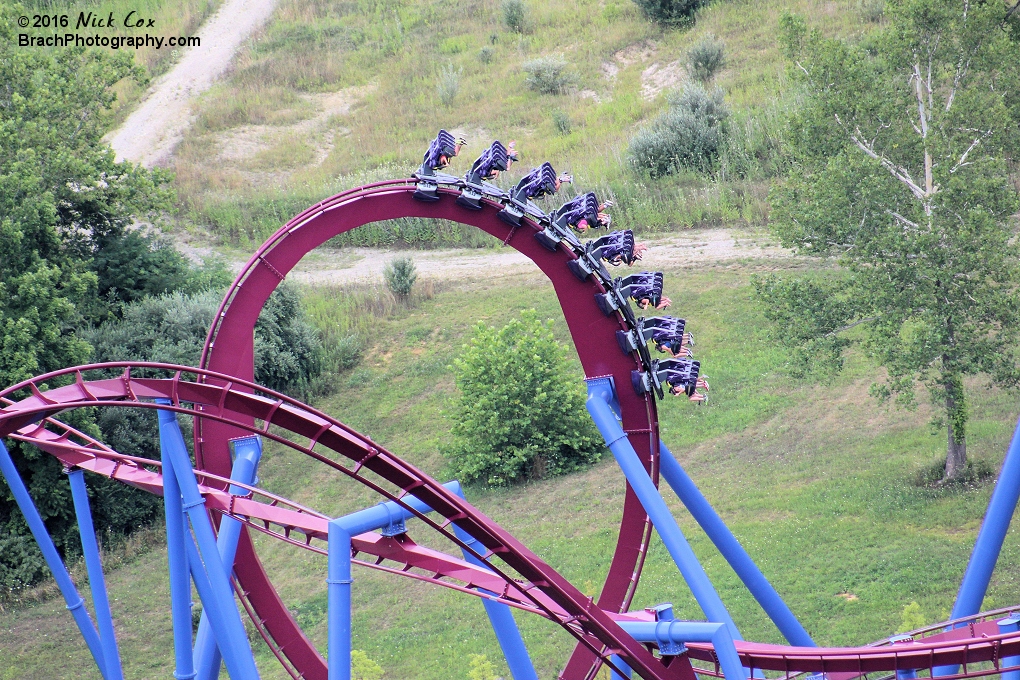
(730, 548)
(502, 619)
(94, 566)
(618, 662)
(218, 598)
(38, 528)
(177, 560)
(600, 395)
(248, 452)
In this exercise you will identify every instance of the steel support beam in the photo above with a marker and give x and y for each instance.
(247, 453)
(680, 632)
(600, 396)
(211, 579)
(727, 544)
(38, 528)
(94, 566)
(1010, 625)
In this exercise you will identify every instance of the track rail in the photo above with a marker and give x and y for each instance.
(230, 350)
(523, 578)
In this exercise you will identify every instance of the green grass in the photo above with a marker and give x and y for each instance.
(400, 50)
(816, 481)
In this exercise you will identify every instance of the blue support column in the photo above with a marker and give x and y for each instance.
(676, 633)
(339, 602)
(502, 619)
(247, 453)
(600, 395)
(623, 667)
(94, 565)
(218, 598)
(1010, 625)
(727, 544)
(38, 528)
(177, 561)
(992, 534)
(989, 541)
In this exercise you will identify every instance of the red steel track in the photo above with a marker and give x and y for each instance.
(226, 403)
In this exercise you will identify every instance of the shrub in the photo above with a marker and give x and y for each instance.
(687, 136)
(481, 668)
(871, 10)
(548, 75)
(670, 12)
(485, 54)
(400, 275)
(521, 412)
(448, 85)
(562, 122)
(363, 668)
(705, 58)
(515, 15)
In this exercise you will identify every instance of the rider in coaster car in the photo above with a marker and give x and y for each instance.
(442, 150)
(618, 247)
(646, 289)
(493, 160)
(669, 336)
(541, 181)
(583, 212)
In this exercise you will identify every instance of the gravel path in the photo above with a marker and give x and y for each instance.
(365, 265)
(151, 132)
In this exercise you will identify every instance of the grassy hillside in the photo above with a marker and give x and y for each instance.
(331, 94)
(817, 482)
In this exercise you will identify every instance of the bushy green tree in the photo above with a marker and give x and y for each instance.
(363, 668)
(400, 275)
(705, 58)
(687, 136)
(548, 75)
(61, 193)
(521, 411)
(902, 181)
(515, 15)
(670, 13)
(481, 668)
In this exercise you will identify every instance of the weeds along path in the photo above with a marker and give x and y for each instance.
(151, 132)
(365, 265)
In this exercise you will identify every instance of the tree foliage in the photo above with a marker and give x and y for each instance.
(687, 136)
(670, 13)
(902, 180)
(521, 412)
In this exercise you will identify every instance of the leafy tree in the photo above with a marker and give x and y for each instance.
(481, 668)
(363, 668)
(687, 136)
(705, 58)
(400, 275)
(670, 13)
(902, 181)
(521, 413)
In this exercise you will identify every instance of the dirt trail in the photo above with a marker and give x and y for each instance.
(365, 265)
(151, 132)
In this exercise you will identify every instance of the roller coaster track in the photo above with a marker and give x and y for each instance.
(225, 403)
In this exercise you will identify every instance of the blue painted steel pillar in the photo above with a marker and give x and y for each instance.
(339, 602)
(94, 565)
(177, 560)
(992, 533)
(502, 619)
(38, 528)
(734, 553)
(1010, 625)
(218, 595)
(600, 396)
(676, 633)
(623, 667)
(247, 453)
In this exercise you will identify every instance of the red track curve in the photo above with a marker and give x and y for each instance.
(594, 337)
